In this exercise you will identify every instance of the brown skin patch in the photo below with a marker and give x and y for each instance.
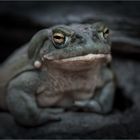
(72, 79)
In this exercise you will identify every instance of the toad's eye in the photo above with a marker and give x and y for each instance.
(58, 38)
(105, 33)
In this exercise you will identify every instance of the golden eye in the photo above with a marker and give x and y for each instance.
(58, 38)
(105, 33)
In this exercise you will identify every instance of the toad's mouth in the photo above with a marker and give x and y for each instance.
(88, 57)
(89, 61)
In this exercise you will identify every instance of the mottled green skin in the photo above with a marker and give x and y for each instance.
(30, 92)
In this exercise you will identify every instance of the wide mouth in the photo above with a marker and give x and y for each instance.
(88, 57)
(78, 63)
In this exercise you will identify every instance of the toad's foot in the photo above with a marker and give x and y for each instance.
(87, 105)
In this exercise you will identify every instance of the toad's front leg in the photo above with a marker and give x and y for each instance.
(21, 101)
(103, 101)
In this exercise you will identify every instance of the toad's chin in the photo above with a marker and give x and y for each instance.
(80, 62)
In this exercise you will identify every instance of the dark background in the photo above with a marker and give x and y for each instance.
(20, 20)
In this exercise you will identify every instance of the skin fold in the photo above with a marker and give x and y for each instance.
(60, 68)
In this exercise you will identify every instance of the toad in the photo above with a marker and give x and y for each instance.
(61, 67)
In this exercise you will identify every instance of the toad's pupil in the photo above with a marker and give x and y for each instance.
(58, 37)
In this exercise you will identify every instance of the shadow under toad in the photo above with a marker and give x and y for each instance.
(121, 101)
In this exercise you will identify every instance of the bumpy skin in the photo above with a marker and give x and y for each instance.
(61, 67)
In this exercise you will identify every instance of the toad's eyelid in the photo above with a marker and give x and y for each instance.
(106, 30)
(65, 32)
(61, 35)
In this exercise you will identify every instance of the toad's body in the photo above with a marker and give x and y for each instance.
(61, 67)
(71, 81)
